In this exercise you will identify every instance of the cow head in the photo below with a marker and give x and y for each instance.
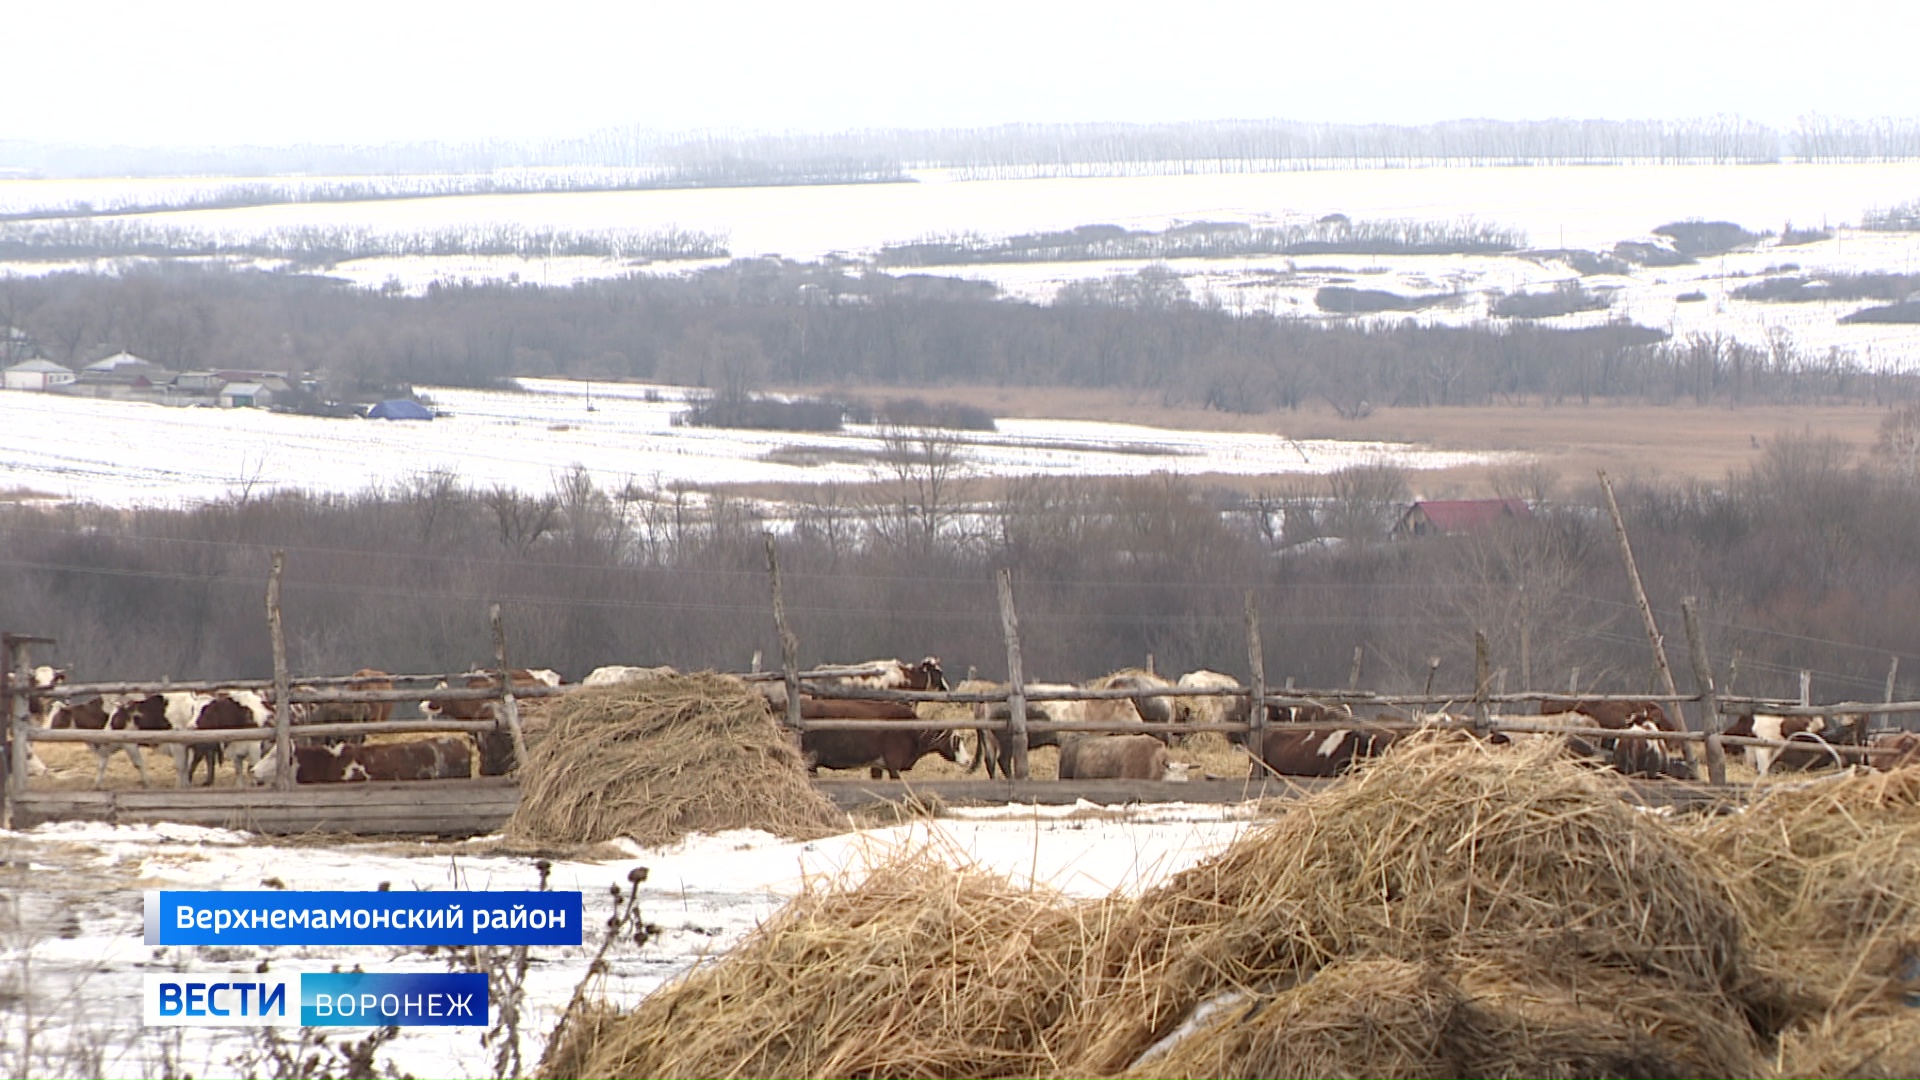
(928, 676)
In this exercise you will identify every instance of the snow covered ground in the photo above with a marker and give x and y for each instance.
(71, 919)
(125, 453)
(1579, 207)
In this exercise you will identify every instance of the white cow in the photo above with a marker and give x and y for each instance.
(620, 673)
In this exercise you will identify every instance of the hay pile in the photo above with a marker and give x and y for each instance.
(1828, 873)
(1541, 925)
(1451, 910)
(659, 759)
(919, 971)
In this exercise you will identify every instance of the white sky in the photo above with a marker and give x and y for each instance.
(195, 71)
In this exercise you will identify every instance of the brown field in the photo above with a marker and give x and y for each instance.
(1647, 441)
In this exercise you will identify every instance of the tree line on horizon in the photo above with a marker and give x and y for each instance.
(1031, 150)
(760, 323)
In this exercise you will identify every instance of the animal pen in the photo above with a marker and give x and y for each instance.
(481, 805)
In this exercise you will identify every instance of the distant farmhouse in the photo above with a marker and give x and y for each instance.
(37, 375)
(124, 376)
(1450, 517)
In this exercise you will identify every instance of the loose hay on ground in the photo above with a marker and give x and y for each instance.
(657, 760)
(1449, 910)
(1828, 876)
(1443, 845)
(919, 971)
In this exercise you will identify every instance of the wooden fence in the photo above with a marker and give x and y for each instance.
(1474, 710)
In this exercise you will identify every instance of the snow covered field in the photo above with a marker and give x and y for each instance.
(1580, 207)
(125, 453)
(74, 935)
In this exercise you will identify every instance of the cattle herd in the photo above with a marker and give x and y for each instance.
(1300, 740)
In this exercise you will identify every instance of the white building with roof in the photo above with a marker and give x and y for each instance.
(36, 375)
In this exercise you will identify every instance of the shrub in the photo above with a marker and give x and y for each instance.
(1907, 312)
(765, 414)
(1697, 238)
(1564, 299)
(1340, 300)
(916, 412)
(1645, 254)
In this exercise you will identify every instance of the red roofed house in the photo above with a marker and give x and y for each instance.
(1446, 517)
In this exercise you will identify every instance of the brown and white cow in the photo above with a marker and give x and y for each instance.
(1113, 757)
(308, 713)
(894, 749)
(1819, 733)
(495, 747)
(229, 710)
(892, 675)
(1292, 752)
(416, 759)
(94, 714)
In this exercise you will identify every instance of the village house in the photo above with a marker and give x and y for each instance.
(1451, 517)
(37, 375)
(125, 369)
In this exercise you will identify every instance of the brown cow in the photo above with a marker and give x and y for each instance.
(417, 759)
(1113, 757)
(1612, 715)
(1896, 751)
(895, 749)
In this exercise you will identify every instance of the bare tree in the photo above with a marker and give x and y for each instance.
(522, 520)
(927, 470)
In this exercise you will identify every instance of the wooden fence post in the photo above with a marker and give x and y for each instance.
(1646, 610)
(1482, 679)
(1893, 672)
(1709, 699)
(509, 708)
(789, 645)
(1806, 687)
(282, 735)
(15, 680)
(1353, 673)
(1257, 688)
(1016, 679)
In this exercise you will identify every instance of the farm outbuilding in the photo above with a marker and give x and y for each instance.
(245, 396)
(37, 375)
(399, 409)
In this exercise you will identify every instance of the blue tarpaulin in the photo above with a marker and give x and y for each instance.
(399, 409)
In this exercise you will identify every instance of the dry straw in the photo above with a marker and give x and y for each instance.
(1452, 909)
(1442, 847)
(920, 970)
(657, 760)
(1828, 873)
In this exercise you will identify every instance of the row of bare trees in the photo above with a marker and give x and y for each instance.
(1809, 560)
(765, 322)
(1037, 149)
